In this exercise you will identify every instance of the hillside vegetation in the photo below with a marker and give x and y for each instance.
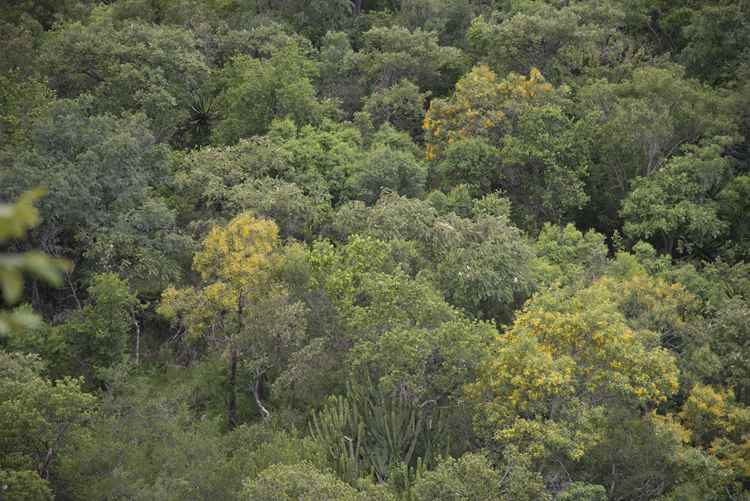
(375, 250)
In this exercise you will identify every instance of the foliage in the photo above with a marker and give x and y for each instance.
(401, 105)
(281, 482)
(564, 356)
(675, 203)
(156, 70)
(15, 221)
(375, 249)
(38, 418)
(469, 477)
(257, 91)
(530, 147)
(369, 433)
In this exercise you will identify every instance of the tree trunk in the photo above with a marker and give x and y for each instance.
(232, 404)
(137, 338)
(256, 393)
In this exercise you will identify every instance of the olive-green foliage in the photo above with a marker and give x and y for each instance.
(566, 255)
(102, 332)
(401, 105)
(259, 90)
(676, 204)
(383, 169)
(24, 485)
(297, 482)
(39, 418)
(563, 40)
(472, 161)
(639, 123)
(391, 54)
(153, 69)
(74, 150)
(375, 250)
(145, 246)
(471, 477)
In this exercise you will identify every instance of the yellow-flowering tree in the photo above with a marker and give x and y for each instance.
(480, 106)
(239, 305)
(517, 132)
(720, 425)
(567, 361)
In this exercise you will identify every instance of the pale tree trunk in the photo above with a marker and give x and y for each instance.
(256, 393)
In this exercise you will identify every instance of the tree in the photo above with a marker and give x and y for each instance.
(302, 481)
(401, 105)
(145, 246)
(482, 265)
(469, 478)
(722, 426)
(569, 360)
(564, 41)
(384, 168)
(99, 335)
(541, 151)
(566, 255)
(471, 161)
(449, 18)
(391, 54)
(676, 204)
(728, 334)
(638, 123)
(239, 306)
(298, 214)
(38, 417)
(22, 101)
(339, 74)
(74, 151)
(423, 365)
(45, 12)
(135, 67)
(733, 201)
(715, 33)
(256, 91)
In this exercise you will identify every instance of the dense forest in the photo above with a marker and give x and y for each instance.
(375, 250)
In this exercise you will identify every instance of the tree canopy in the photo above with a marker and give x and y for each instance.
(375, 250)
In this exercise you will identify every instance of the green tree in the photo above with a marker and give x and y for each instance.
(567, 255)
(38, 417)
(564, 41)
(135, 67)
(637, 124)
(391, 54)
(468, 478)
(73, 151)
(259, 90)
(384, 168)
(542, 152)
(676, 204)
(145, 246)
(302, 481)
(105, 330)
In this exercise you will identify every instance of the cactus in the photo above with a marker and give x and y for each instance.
(368, 432)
